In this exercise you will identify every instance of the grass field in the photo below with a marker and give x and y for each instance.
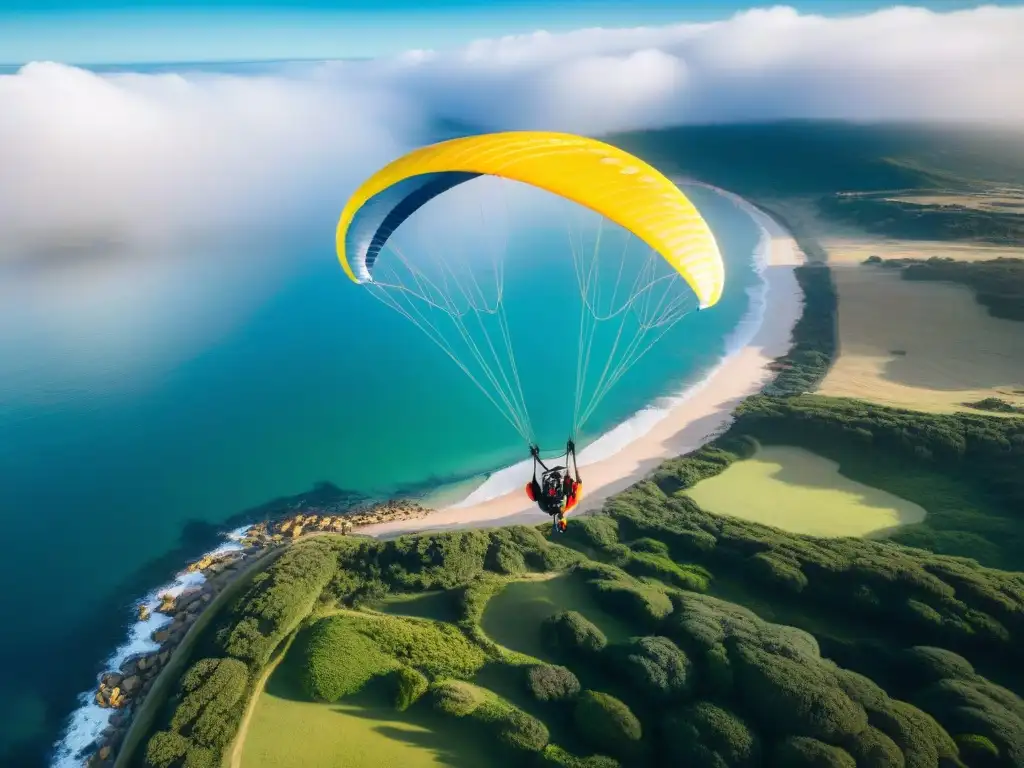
(513, 616)
(801, 492)
(362, 731)
(438, 605)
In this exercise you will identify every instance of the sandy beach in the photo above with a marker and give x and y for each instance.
(921, 345)
(690, 423)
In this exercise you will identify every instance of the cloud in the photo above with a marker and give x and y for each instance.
(134, 155)
(153, 157)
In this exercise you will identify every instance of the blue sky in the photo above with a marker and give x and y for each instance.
(105, 31)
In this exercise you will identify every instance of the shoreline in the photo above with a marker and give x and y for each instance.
(695, 416)
(692, 418)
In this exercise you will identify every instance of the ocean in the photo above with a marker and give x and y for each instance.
(147, 403)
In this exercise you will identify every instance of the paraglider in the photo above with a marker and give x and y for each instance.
(592, 174)
(556, 493)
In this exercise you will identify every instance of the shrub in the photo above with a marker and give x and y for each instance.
(570, 632)
(556, 757)
(278, 599)
(456, 697)
(410, 685)
(922, 740)
(977, 751)
(200, 757)
(707, 735)
(518, 729)
(924, 665)
(655, 665)
(802, 697)
(651, 546)
(211, 705)
(165, 749)
(606, 723)
(340, 659)
(552, 683)
(803, 752)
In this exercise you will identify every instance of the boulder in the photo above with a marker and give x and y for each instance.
(186, 599)
(130, 667)
(161, 636)
(166, 604)
(104, 753)
(118, 719)
(111, 680)
(144, 612)
(163, 657)
(130, 684)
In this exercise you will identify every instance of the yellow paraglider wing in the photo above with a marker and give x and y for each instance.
(603, 178)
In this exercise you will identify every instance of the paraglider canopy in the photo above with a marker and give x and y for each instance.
(602, 177)
(682, 272)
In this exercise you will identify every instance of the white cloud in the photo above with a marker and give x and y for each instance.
(138, 155)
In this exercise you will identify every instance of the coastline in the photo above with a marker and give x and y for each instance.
(611, 464)
(692, 419)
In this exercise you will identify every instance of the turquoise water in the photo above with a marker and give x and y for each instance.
(126, 442)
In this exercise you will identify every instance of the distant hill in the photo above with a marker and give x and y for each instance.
(812, 157)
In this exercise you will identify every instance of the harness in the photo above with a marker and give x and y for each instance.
(552, 492)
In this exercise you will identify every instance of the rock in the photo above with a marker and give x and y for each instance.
(185, 599)
(161, 636)
(111, 680)
(116, 699)
(104, 753)
(146, 686)
(115, 740)
(296, 531)
(143, 612)
(130, 667)
(118, 719)
(129, 684)
(163, 657)
(166, 604)
(206, 598)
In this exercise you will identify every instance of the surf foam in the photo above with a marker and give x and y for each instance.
(87, 723)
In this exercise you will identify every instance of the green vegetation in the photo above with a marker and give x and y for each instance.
(849, 173)
(996, 405)
(815, 335)
(569, 633)
(998, 284)
(880, 215)
(607, 723)
(202, 717)
(515, 613)
(548, 682)
(650, 673)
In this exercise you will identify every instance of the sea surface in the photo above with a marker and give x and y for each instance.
(147, 401)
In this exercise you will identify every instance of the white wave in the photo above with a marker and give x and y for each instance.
(88, 721)
(511, 479)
